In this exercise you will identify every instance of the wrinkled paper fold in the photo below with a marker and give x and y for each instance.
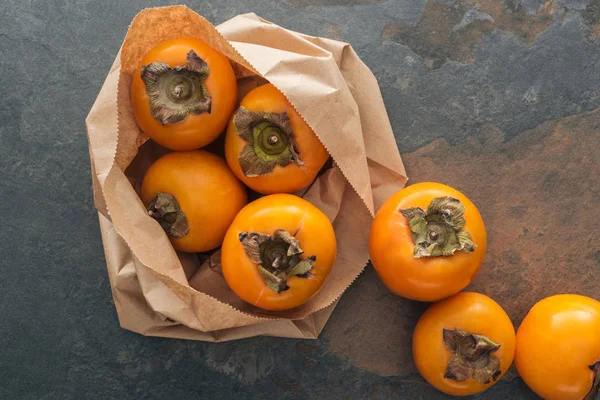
(160, 292)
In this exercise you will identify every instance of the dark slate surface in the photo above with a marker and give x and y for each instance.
(482, 80)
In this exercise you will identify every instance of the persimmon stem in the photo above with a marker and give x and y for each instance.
(164, 208)
(595, 390)
(177, 92)
(472, 357)
(269, 141)
(277, 257)
(439, 231)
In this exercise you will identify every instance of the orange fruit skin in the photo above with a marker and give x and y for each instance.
(208, 193)
(557, 342)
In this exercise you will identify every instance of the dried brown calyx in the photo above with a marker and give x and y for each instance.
(165, 209)
(439, 232)
(269, 141)
(177, 92)
(472, 357)
(277, 257)
(595, 390)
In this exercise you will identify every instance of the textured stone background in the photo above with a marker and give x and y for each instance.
(500, 99)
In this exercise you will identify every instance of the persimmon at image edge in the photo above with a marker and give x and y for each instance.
(194, 196)
(402, 265)
(301, 220)
(269, 146)
(445, 339)
(187, 108)
(562, 327)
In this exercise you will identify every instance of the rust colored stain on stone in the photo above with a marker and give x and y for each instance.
(372, 327)
(332, 31)
(538, 194)
(451, 32)
(591, 17)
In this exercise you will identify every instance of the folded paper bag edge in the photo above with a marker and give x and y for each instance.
(314, 116)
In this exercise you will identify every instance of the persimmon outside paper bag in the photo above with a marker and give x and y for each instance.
(160, 292)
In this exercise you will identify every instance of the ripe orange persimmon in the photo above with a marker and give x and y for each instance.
(269, 146)
(462, 345)
(558, 348)
(194, 196)
(427, 242)
(183, 93)
(278, 252)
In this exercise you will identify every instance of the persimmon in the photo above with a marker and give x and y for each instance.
(278, 252)
(464, 344)
(269, 146)
(558, 348)
(194, 196)
(183, 93)
(427, 255)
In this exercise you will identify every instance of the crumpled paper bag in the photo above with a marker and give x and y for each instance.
(160, 292)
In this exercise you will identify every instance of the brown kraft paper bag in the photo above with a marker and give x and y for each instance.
(160, 292)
